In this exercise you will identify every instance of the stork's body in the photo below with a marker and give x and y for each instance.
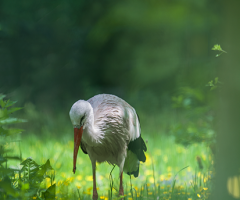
(108, 129)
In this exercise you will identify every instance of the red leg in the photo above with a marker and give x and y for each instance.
(121, 192)
(95, 194)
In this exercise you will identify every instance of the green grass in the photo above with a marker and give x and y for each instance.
(161, 176)
(164, 160)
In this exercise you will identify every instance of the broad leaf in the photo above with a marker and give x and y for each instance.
(30, 168)
(49, 194)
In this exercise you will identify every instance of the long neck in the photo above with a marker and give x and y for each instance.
(92, 134)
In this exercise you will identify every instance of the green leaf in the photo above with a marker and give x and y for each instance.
(14, 109)
(10, 103)
(49, 194)
(30, 168)
(13, 131)
(217, 47)
(2, 96)
(47, 165)
(2, 103)
(6, 186)
(44, 168)
(3, 131)
(11, 121)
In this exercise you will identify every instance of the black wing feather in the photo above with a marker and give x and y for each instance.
(83, 148)
(138, 147)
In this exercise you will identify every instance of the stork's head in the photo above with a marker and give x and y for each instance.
(78, 115)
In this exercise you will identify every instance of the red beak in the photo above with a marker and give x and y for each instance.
(77, 140)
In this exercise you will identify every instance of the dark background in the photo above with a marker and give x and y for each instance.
(53, 53)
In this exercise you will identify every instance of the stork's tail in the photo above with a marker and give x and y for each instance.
(135, 173)
(136, 149)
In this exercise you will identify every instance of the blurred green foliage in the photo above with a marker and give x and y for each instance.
(196, 123)
(55, 52)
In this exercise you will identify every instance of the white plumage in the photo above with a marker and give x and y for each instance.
(108, 129)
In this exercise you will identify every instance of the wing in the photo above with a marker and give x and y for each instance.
(82, 145)
(137, 145)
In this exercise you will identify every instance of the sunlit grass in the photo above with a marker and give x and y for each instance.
(164, 160)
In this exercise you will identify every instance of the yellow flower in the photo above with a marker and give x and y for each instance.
(149, 193)
(79, 177)
(130, 198)
(181, 187)
(199, 195)
(89, 178)
(59, 183)
(34, 198)
(162, 177)
(102, 197)
(203, 157)
(70, 179)
(48, 182)
(148, 160)
(136, 188)
(205, 188)
(189, 198)
(199, 174)
(88, 192)
(66, 183)
(89, 189)
(151, 180)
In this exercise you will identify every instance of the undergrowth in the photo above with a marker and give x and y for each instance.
(24, 182)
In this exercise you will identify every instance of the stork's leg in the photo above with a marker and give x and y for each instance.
(121, 192)
(95, 194)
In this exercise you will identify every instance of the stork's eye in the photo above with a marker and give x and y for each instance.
(81, 120)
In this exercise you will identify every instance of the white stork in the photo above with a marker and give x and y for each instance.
(108, 129)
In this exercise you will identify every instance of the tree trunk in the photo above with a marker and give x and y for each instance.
(227, 164)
